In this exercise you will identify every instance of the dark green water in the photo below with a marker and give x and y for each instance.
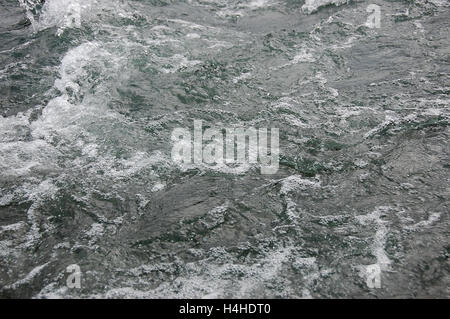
(86, 176)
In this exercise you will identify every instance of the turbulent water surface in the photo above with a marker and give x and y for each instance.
(88, 101)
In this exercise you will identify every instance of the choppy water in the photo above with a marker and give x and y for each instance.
(87, 178)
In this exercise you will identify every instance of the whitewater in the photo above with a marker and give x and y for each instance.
(91, 91)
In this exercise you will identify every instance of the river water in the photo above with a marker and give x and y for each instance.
(90, 92)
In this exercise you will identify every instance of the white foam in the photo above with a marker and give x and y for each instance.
(68, 140)
(207, 278)
(257, 4)
(29, 277)
(432, 219)
(60, 13)
(440, 3)
(380, 237)
(12, 227)
(241, 77)
(289, 185)
(312, 6)
(175, 63)
(305, 55)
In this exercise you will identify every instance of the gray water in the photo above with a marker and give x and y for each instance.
(87, 111)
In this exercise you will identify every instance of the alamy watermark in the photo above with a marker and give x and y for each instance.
(227, 146)
(74, 278)
(72, 18)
